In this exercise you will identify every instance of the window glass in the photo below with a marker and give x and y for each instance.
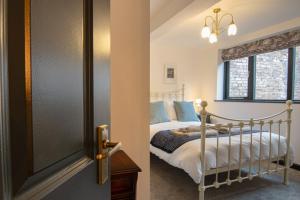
(271, 75)
(297, 75)
(238, 78)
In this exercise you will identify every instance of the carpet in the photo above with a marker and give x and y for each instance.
(170, 183)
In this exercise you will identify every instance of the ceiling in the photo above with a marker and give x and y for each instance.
(156, 5)
(184, 27)
(163, 10)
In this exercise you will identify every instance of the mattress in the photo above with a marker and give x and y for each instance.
(187, 156)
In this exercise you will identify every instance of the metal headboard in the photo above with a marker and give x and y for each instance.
(174, 95)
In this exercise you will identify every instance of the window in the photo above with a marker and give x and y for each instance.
(273, 76)
(238, 78)
(297, 74)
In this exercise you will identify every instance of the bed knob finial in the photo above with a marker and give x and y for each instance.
(289, 103)
(203, 104)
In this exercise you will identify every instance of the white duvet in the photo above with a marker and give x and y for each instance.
(187, 156)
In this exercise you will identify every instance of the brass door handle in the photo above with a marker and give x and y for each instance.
(116, 146)
(105, 150)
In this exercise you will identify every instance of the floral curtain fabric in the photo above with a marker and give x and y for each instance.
(278, 42)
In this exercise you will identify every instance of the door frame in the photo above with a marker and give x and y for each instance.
(52, 182)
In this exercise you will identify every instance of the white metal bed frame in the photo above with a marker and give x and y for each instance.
(240, 123)
(173, 95)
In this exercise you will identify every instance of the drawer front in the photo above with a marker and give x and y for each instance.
(123, 197)
(122, 184)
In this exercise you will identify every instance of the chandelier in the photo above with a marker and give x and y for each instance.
(214, 30)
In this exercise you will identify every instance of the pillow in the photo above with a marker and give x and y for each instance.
(185, 111)
(158, 113)
(169, 105)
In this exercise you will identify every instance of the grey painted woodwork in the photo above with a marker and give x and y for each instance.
(56, 105)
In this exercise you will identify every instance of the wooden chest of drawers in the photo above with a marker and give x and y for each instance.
(124, 173)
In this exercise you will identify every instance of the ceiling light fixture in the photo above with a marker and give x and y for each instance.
(214, 30)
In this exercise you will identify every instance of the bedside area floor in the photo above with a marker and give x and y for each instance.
(170, 183)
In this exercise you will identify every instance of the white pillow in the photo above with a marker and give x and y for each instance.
(169, 105)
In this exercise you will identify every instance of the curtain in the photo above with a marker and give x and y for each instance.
(277, 42)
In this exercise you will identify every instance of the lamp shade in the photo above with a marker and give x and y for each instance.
(198, 102)
(232, 29)
(213, 38)
(205, 32)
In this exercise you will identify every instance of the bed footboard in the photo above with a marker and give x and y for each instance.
(252, 166)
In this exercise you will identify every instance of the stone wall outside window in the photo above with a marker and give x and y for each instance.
(297, 75)
(238, 78)
(271, 75)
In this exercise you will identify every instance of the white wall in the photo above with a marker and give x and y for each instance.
(130, 29)
(186, 62)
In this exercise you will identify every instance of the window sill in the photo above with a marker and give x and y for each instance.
(256, 101)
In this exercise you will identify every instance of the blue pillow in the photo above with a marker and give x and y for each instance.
(158, 113)
(185, 111)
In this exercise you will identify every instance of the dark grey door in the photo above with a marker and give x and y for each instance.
(58, 85)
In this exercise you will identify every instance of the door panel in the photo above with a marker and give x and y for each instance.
(58, 57)
(101, 60)
(1, 176)
(57, 80)
(80, 187)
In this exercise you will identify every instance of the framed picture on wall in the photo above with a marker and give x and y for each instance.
(170, 74)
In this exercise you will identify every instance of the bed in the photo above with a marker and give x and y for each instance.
(257, 153)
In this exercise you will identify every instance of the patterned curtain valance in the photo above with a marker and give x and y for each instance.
(278, 42)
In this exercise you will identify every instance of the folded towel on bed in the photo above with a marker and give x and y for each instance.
(170, 140)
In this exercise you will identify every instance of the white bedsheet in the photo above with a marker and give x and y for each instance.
(187, 157)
